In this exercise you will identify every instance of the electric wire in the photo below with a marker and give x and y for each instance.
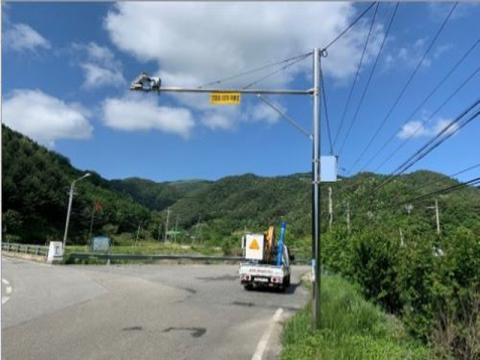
(277, 71)
(410, 117)
(402, 92)
(356, 74)
(432, 144)
(349, 27)
(401, 145)
(423, 151)
(324, 97)
(446, 190)
(438, 182)
(369, 79)
(248, 72)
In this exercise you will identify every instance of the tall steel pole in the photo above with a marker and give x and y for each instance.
(316, 189)
(70, 199)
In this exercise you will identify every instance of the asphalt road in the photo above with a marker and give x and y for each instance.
(141, 312)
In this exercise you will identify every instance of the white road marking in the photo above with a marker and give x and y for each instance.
(262, 345)
(8, 291)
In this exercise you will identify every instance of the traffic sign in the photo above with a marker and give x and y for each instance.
(225, 98)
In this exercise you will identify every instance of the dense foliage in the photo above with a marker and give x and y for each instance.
(35, 189)
(396, 256)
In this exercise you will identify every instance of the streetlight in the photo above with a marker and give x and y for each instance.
(72, 187)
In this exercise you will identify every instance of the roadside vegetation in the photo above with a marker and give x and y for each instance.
(351, 329)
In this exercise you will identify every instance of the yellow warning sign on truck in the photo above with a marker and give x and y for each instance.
(224, 98)
(254, 245)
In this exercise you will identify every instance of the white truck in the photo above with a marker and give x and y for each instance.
(263, 266)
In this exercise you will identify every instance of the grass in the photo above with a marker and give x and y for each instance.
(144, 248)
(152, 247)
(351, 328)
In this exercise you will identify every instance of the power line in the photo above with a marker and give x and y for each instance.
(410, 117)
(216, 82)
(349, 27)
(450, 176)
(470, 77)
(369, 78)
(441, 191)
(402, 92)
(432, 144)
(324, 97)
(356, 74)
(277, 71)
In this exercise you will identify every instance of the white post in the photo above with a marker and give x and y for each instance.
(437, 215)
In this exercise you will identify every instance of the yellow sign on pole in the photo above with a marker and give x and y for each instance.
(224, 98)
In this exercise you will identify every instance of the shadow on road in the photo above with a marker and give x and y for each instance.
(288, 291)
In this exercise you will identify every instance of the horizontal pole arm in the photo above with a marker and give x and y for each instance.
(242, 91)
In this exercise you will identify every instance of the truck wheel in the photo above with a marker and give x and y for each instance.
(248, 287)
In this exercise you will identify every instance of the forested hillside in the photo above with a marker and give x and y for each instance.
(35, 187)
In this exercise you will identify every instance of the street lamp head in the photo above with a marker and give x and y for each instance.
(145, 82)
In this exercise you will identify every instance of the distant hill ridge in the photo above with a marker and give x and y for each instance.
(36, 183)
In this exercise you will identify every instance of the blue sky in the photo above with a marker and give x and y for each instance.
(66, 70)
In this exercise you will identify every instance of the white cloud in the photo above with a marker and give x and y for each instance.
(198, 42)
(100, 66)
(212, 40)
(45, 118)
(414, 129)
(96, 76)
(409, 56)
(21, 37)
(133, 113)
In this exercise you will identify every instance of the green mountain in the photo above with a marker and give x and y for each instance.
(36, 184)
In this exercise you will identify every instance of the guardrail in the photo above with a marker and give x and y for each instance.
(152, 257)
(25, 248)
(109, 256)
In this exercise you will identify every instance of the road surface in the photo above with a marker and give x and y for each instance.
(140, 312)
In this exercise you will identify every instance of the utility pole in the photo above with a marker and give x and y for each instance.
(70, 200)
(91, 223)
(138, 233)
(330, 208)
(176, 227)
(199, 229)
(437, 215)
(166, 225)
(144, 83)
(159, 227)
(348, 217)
(316, 190)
